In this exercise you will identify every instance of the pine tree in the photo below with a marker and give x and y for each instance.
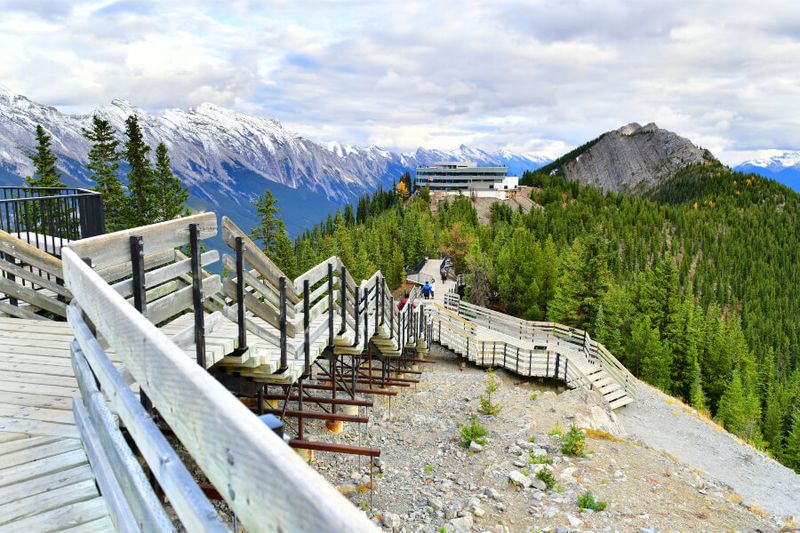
(104, 162)
(791, 450)
(655, 360)
(283, 253)
(140, 207)
(732, 406)
(268, 226)
(45, 173)
(172, 195)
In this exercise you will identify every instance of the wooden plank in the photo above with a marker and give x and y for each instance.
(31, 296)
(185, 337)
(62, 517)
(25, 377)
(33, 368)
(36, 388)
(35, 400)
(190, 504)
(30, 255)
(107, 250)
(35, 278)
(7, 437)
(257, 259)
(44, 414)
(38, 451)
(15, 354)
(165, 273)
(122, 481)
(171, 305)
(52, 499)
(37, 427)
(43, 483)
(261, 309)
(19, 312)
(243, 452)
(101, 525)
(123, 269)
(57, 463)
(251, 281)
(22, 443)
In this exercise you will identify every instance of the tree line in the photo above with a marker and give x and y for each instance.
(694, 287)
(153, 193)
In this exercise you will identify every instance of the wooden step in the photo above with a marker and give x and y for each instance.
(615, 395)
(619, 402)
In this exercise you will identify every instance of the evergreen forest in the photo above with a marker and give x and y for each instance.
(694, 287)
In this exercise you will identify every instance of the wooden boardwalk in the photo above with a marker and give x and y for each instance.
(46, 482)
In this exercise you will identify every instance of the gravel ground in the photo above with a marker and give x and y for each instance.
(426, 481)
(665, 424)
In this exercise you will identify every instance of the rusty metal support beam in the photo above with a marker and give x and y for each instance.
(335, 448)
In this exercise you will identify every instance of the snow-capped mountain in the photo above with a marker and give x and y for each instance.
(227, 158)
(783, 167)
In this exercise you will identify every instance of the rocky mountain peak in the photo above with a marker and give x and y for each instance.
(633, 158)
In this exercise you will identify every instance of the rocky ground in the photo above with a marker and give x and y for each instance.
(426, 480)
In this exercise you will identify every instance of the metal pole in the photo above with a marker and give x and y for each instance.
(330, 304)
(306, 341)
(240, 294)
(282, 287)
(343, 282)
(139, 297)
(197, 297)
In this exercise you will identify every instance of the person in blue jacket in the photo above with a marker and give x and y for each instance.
(426, 290)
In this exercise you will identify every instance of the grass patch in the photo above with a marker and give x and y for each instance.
(601, 435)
(574, 443)
(587, 501)
(557, 430)
(473, 432)
(429, 468)
(538, 459)
(547, 476)
(534, 396)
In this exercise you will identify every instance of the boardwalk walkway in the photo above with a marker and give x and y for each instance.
(46, 482)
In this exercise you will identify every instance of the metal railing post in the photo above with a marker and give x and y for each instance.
(197, 297)
(282, 303)
(240, 295)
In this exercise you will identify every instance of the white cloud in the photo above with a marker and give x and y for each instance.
(537, 76)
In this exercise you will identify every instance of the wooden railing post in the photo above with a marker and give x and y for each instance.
(139, 297)
(282, 319)
(343, 283)
(306, 340)
(197, 297)
(330, 304)
(240, 310)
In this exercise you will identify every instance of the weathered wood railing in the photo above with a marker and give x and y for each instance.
(546, 334)
(30, 281)
(263, 481)
(461, 336)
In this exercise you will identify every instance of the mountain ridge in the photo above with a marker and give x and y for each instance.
(783, 168)
(227, 158)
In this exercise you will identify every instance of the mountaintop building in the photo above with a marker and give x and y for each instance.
(466, 177)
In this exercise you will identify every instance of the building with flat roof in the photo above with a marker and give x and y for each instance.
(466, 177)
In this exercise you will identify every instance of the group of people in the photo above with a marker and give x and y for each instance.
(427, 289)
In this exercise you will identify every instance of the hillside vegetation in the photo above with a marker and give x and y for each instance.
(694, 289)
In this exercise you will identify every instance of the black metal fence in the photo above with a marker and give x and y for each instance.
(49, 218)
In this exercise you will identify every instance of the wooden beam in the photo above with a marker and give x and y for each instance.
(107, 250)
(30, 255)
(233, 448)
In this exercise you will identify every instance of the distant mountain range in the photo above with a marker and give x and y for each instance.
(228, 158)
(784, 168)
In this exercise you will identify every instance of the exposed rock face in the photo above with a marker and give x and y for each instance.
(633, 159)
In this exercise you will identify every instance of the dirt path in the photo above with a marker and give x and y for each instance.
(665, 424)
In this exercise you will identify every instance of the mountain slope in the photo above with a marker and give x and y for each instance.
(227, 158)
(784, 168)
(632, 159)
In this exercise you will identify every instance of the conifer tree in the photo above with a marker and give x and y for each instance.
(732, 406)
(104, 162)
(655, 360)
(283, 253)
(791, 450)
(45, 173)
(172, 195)
(268, 226)
(140, 207)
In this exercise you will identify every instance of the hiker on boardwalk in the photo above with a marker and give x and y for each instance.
(426, 290)
(432, 285)
(402, 302)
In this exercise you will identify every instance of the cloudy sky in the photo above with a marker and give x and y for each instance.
(534, 76)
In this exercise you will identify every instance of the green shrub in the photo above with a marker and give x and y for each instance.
(534, 396)
(574, 442)
(428, 468)
(556, 431)
(473, 432)
(538, 459)
(587, 501)
(487, 406)
(547, 476)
